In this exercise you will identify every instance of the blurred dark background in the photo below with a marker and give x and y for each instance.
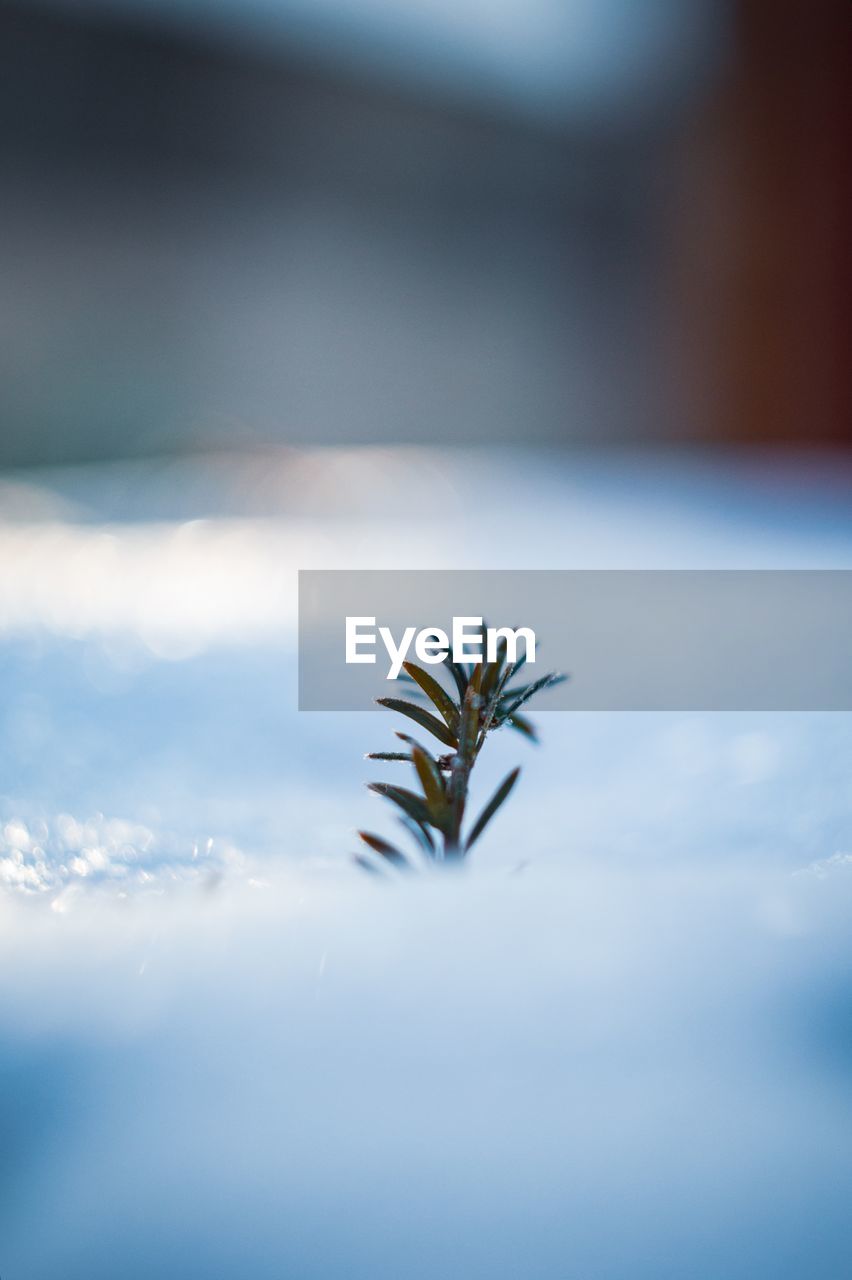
(234, 223)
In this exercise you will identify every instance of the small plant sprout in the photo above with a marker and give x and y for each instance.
(486, 696)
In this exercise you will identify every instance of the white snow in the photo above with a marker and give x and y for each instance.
(617, 1046)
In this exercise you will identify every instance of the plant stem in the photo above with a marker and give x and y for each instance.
(459, 776)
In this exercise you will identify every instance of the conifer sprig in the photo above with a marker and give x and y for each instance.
(486, 696)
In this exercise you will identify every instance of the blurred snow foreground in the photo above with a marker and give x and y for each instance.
(562, 1072)
(618, 1045)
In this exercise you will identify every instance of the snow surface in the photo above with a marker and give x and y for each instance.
(617, 1045)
